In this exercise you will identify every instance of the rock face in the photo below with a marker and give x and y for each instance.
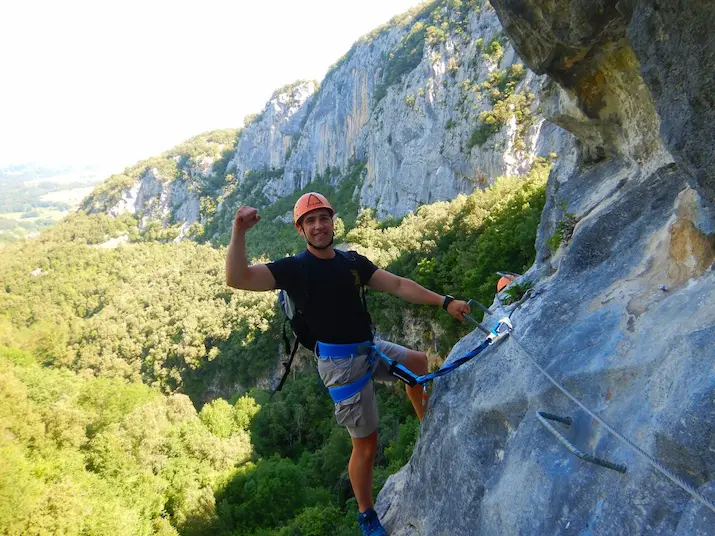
(170, 190)
(622, 313)
(577, 43)
(157, 199)
(266, 141)
(436, 103)
(674, 42)
(413, 126)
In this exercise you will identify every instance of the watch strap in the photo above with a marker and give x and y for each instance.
(447, 300)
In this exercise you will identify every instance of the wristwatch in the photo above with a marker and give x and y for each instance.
(447, 300)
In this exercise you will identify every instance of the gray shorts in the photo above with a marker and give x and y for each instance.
(359, 412)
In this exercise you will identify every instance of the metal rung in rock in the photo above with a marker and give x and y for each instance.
(472, 303)
(543, 416)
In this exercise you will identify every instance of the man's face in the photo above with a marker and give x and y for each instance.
(317, 227)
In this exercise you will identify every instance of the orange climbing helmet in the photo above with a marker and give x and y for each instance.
(505, 279)
(308, 202)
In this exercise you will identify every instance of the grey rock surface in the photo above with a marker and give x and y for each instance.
(159, 199)
(675, 44)
(582, 44)
(601, 325)
(622, 312)
(264, 143)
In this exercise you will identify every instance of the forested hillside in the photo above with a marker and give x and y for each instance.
(136, 384)
(101, 340)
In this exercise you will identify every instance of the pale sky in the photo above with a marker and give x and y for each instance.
(111, 82)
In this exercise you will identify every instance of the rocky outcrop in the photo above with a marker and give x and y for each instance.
(666, 46)
(434, 104)
(268, 138)
(622, 313)
(674, 42)
(169, 190)
(419, 128)
(338, 115)
(156, 198)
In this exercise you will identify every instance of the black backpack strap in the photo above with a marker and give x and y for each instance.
(286, 366)
(363, 294)
(286, 342)
(349, 255)
(300, 300)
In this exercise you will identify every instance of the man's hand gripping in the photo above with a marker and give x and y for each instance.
(457, 307)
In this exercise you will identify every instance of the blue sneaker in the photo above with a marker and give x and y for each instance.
(369, 524)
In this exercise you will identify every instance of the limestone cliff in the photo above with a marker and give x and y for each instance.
(409, 100)
(170, 191)
(622, 313)
(435, 103)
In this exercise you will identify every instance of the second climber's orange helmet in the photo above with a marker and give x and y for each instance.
(308, 202)
(504, 281)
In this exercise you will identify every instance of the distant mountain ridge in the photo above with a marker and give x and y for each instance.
(429, 106)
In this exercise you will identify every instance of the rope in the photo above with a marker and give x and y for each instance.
(650, 459)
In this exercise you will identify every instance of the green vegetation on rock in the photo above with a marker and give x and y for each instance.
(209, 153)
(431, 26)
(500, 87)
(562, 233)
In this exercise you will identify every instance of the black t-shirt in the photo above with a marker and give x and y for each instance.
(327, 291)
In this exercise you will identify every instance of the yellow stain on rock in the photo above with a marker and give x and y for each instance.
(591, 91)
(691, 251)
(569, 62)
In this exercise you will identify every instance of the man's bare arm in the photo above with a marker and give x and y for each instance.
(412, 292)
(238, 273)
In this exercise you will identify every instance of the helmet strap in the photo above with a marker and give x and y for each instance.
(332, 239)
(321, 247)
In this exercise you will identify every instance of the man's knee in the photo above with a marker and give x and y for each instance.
(365, 448)
(417, 362)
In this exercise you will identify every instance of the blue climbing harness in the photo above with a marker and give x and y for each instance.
(344, 351)
(326, 350)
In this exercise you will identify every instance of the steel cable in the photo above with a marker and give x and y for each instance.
(650, 459)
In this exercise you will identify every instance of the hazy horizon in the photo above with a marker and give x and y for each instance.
(106, 85)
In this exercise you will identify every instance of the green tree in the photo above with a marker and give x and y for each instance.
(299, 418)
(266, 496)
(218, 417)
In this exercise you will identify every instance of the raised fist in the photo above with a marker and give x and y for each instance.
(246, 217)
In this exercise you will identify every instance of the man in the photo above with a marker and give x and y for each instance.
(326, 287)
